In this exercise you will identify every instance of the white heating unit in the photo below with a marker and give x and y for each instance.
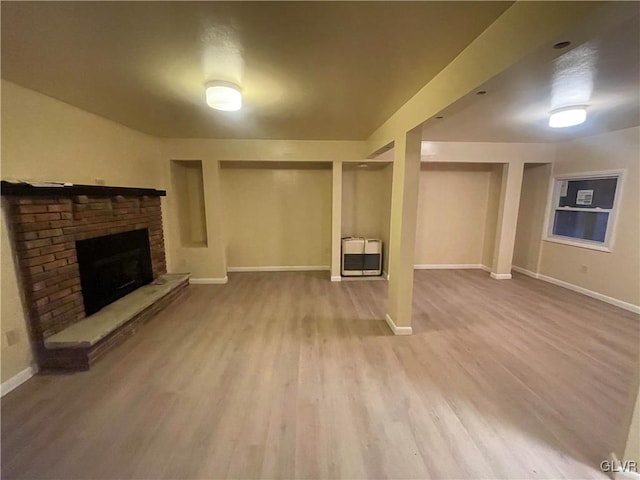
(361, 257)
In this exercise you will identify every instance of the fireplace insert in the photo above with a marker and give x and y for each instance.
(112, 266)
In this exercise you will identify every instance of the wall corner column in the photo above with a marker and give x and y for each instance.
(336, 220)
(214, 214)
(404, 206)
(512, 174)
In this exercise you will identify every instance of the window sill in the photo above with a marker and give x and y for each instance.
(577, 243)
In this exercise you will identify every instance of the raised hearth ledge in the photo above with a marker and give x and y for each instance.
(94, 328)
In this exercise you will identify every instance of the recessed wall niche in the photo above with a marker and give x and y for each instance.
(366, 202)
(188, 186)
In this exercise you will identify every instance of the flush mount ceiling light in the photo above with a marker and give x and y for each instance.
(224, 96)
(567, 117)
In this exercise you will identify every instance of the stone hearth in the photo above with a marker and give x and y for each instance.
(45, 224)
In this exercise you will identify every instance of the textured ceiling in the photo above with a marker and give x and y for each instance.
(602, 72)
(308, 70)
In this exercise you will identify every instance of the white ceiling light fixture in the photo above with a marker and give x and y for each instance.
(224, 96)
(567, 117)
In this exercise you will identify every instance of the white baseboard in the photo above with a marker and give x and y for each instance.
(501, 276)
(208, 281)
(396, 329)
(524, 271)
(385, 275)
(336, 278)
(589, 293)
(17, 380)
(294, 268)
(448, 266)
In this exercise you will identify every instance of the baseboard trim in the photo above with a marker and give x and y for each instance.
(336, 278)
(524, 271)
(584, 291)
(501, 276)
(294, 268)
(396, 329)
(17, 380)
(448, 266)
(208, 281)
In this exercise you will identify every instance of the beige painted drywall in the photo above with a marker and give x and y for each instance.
(510, 187)
(188, 188)
(47, 140)
(495, 155)
(404, 204)
(209, 262)
(526, 25)
(263, 150)
(452, 213)
(17, 356)
(366, 205)
(336, 220)
(277, 217)
(632, 447)
(494, 189)
(616, 273)
(533, 198)
(44, 139)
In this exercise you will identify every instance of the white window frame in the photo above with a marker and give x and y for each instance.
(554, 199)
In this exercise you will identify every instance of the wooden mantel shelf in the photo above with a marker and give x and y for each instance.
(21, 189)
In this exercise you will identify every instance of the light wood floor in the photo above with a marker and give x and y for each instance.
(287, 375)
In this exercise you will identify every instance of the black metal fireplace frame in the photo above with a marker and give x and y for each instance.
(112, 266)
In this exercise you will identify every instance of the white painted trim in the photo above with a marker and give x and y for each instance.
(448, 266)
(501, 276)
(385, 275)
(554, 196)
(524, 271)
(208, 281)
(294, 268)
(396, 329)
(485, 268)
(574, 243)
(17, 380)
(589, 293)
(336, 278)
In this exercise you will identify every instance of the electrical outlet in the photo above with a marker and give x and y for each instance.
(584, 268)
(13, 336)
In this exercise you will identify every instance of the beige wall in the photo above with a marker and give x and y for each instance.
(615, 274)
(47, 140)
(366, 205)
(277, 217)
(632, 447)
(491, 221)
(209, 262)
(533, 199)
(188, 188)
(454, 212)
(16, 353)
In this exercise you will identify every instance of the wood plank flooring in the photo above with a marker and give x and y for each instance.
(287, 375)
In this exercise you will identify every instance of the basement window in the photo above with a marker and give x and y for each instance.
(583, 210)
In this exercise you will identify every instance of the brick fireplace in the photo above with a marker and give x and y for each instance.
(46, 223)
